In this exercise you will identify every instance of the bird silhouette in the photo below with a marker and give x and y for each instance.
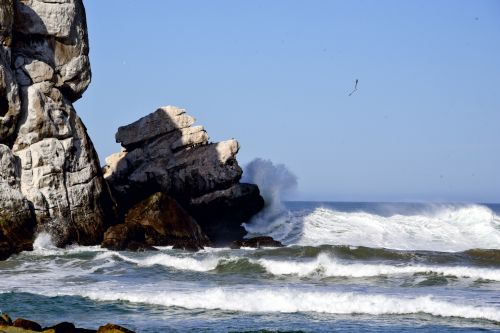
(355, 87)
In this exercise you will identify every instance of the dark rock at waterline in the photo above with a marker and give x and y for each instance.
(5, 319)
(257, 242)
(221, 213)
(21, 325)
(156, 221)
(112, 328)
(63, 327)
(27, 324)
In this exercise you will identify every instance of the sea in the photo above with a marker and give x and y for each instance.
(345, 267)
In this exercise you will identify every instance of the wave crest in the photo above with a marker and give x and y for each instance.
(449, 229)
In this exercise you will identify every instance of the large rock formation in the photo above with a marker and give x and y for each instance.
(50, 177)
(164, 152)
(44, 68)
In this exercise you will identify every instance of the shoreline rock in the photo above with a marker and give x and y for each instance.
(156, 221)
(21, 325)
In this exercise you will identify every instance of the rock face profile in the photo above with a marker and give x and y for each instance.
(50, 174)
(168, 186)
(163, 152)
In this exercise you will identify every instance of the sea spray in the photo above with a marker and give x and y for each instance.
(43, 241)
(275, 181)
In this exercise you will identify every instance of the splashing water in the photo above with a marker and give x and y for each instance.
(274, 181)
(43, 241)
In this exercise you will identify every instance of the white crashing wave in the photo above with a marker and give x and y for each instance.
(447, 229)
(297, 300)
(326, 266)
(180, 263)
(322, 266)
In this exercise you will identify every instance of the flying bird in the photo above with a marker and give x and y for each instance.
(355, 87)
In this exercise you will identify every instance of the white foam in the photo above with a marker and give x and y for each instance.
(181, 263)
(448, 229)
(43, 243)
(296, 300)
(326, 266)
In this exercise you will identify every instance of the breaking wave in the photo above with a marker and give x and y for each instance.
(448, 229)
(295, 300)
(323, 265)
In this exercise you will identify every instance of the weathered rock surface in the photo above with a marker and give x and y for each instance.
(158, 220)
(50, 176)
(17, 223)
(44, 67)
(164, 152)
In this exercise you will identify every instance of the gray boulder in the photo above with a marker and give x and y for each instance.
(164, 152)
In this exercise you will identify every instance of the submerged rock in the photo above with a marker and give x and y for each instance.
(257, 242)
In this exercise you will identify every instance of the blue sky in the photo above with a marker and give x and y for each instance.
(424, 124)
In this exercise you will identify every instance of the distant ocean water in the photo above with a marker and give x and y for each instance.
(353, 267)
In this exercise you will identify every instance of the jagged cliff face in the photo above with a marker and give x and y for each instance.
(50, 177)
(44, 68)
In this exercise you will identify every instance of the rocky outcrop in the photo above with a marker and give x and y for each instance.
(44, 68)
(158, 220)
(21, 325)
(50, 176)
(164, 152)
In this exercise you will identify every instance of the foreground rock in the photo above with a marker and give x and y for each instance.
(257, 242)
(163, 152)
(55, 174)
(21, 325)
(158, 220)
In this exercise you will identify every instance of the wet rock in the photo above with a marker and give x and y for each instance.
(5, 319)
(124, 237)
(257, 242)
(221, 213)
(112, 328)
(63, 327)
(27, 325)
(156, 221)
